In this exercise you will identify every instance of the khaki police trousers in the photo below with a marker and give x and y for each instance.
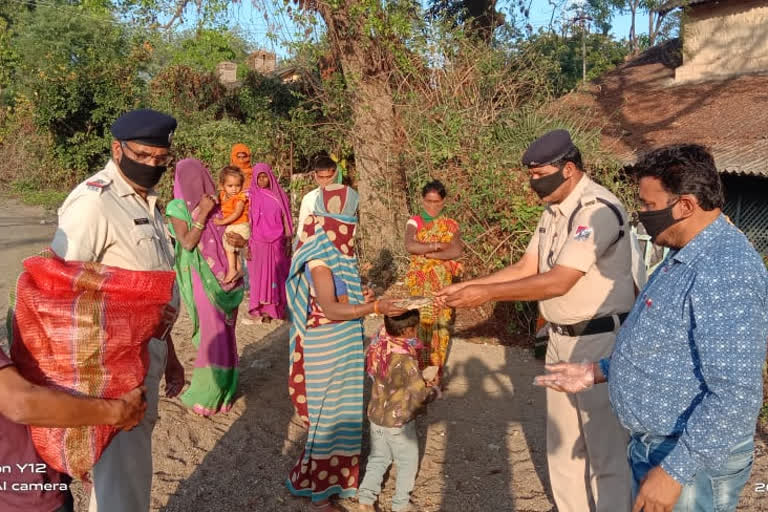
(122, 478)
(586, 445)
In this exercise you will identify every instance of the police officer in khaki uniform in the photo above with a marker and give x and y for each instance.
(112, 218)
(578, 266)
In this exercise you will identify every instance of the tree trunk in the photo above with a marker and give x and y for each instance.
(381, 182)
(484, 19)
(655, 21)
(651, 35)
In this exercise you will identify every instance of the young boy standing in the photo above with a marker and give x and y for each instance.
(399, 390)
(323, 172)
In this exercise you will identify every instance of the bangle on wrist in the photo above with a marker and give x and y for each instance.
(198, 225)
(376, 307)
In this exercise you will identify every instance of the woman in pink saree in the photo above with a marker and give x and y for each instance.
(270, 244)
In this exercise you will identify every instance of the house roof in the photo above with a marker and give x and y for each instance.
(287, 70)
(639, 107)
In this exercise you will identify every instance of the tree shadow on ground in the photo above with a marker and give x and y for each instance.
(248, 464)
(509, 323)
(247, 467)
(488, 469)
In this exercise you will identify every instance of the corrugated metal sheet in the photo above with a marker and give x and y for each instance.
(737, 157)
(731, 157)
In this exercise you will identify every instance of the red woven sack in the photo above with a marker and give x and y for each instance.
(84, 328)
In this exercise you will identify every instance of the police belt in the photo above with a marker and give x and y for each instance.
(592, 326)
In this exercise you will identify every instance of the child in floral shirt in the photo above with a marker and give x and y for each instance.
(399, 390)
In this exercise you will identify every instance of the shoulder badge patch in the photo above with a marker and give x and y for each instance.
(582, 233)
(96, 184)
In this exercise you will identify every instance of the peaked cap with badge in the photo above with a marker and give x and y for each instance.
(145, 126)
(548, 149)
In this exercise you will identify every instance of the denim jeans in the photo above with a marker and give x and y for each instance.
(401, 446)
(711, 490)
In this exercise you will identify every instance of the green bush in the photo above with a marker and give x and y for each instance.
(466, 112)
(565, 59)
(471, 133)
(78, 82)
(203, 49)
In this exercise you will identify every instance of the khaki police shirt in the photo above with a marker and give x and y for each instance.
(607, 286)
(106, 221)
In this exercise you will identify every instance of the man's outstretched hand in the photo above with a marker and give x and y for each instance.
(441, 296)
(567, 377)
(462, 295)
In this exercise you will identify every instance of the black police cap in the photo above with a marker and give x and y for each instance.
(548, 148)
(145, 126)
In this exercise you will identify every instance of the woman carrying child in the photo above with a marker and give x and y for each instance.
(327, 302)
(200, 266)
(434, 243)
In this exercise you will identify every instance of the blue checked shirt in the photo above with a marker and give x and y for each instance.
(688, 360)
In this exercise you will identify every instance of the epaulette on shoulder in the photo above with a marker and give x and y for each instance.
(97, 184)
(587, 200)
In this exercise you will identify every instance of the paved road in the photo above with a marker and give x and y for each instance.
(24, 231)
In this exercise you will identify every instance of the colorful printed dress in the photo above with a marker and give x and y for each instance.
(326, 356)
(426, 276)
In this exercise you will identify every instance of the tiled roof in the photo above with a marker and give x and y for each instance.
(639, 107)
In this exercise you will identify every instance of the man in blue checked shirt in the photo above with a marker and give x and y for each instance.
(685, 376)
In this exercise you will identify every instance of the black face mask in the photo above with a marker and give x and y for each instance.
(546, 185)
(143, 175)
(657, 221)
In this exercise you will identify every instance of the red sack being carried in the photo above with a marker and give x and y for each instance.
(84, 328)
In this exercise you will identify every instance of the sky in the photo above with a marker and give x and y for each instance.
(270, 30)
(541, 11)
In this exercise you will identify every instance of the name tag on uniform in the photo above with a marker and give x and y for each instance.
(140, 222)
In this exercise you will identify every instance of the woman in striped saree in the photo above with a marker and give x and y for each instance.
(326, 303)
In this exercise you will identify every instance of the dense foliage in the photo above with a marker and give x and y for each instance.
(60, 95)
(465, 110)
(565, 57)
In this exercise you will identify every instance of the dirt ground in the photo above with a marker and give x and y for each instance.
(483, 445)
